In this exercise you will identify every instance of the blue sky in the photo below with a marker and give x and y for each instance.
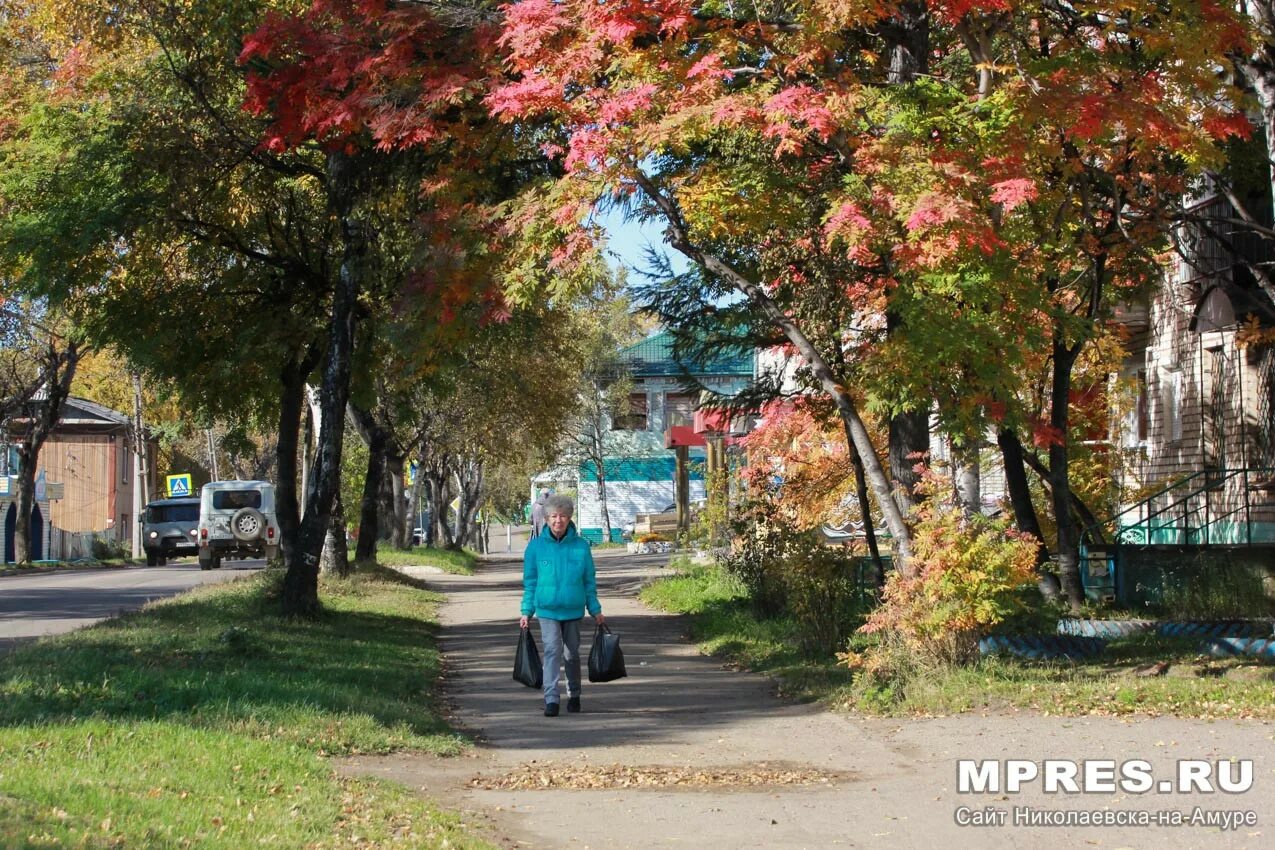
(629, 240)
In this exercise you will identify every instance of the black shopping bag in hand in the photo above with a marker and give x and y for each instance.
(527, 668)
(606, 661)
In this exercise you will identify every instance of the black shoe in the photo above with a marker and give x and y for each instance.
(551, 709)
(573, 705)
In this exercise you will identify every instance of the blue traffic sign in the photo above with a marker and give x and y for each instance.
(178, 485)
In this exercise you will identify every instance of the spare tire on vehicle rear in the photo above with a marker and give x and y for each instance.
(248, 525)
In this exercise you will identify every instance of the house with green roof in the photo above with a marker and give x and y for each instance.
(639, 470)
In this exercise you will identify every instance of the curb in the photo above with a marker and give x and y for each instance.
(1217, 629)
(1110, 629)
(1225, 647)
(1106, 629)
(1042, 646)
(1087, 638)
(35, 571)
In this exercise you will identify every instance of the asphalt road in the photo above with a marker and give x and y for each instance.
(32, 606)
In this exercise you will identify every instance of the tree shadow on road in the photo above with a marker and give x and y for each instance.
(671, 693)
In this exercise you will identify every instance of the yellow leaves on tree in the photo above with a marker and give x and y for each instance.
(970, 569)
(798, 459)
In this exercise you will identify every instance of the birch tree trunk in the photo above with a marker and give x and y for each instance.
(439, 497)
(967, 478)
(336, 553)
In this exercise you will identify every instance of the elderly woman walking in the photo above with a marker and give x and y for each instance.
(558, 585)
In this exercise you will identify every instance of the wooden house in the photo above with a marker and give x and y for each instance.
(1199, 437)
(87, 469)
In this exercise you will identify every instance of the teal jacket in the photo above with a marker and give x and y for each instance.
(558, 580)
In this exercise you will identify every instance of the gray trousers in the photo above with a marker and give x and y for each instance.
(560, 642)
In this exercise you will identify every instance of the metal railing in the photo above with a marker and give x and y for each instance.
(1212, 507)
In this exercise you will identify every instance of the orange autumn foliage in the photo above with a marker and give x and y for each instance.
(798, 460)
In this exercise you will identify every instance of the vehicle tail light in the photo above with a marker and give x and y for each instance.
(270, 532)
(203, 532)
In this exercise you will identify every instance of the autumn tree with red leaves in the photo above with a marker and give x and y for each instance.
(373, 83)
(999, 202)
(361, 182)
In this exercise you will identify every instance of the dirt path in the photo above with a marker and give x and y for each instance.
(669, 756)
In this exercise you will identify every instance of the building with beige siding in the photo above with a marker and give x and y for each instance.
(1199, 438)
(87, 471)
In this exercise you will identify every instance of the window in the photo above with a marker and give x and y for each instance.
(173, 513)
(679, 410)
(1142, 407)
(233, 500)
(1170, 403)
(1137, 421)
(635, 419)
(1266, 408)
(1215, 410)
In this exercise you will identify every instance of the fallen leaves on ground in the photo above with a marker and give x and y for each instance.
(531, 777)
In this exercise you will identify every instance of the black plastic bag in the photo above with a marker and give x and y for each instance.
(527, 667)
(606, 660)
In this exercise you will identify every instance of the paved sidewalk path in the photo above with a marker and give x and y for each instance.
(886, 783)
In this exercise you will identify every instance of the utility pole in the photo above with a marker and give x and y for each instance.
(4, 447)
(682, 492)
(212, 455)
(140, 470)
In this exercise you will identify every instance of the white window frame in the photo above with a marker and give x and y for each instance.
(1171, 402)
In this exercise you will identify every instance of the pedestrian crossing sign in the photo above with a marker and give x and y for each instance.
(178, 485)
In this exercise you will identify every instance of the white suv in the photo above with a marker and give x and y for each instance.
(237, 518)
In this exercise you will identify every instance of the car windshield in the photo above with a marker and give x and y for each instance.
(233, 500)
(172, 513)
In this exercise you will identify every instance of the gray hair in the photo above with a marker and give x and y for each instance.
(559, 505)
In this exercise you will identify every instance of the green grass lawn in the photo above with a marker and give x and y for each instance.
(1118, 682)
(723, 624)
(452, 561)
(207, 721)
